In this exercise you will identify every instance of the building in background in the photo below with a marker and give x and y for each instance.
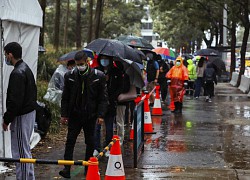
(147, 28)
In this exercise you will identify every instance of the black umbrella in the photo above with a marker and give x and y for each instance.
(70, 56)
(134, 72)
(114, 48)
(148, 51)
(207, 52)
(135, 41)
(218, 63)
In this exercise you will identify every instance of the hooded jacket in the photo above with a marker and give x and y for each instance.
(191, 70)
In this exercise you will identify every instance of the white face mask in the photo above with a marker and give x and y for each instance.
(82, 67)
(178, 63)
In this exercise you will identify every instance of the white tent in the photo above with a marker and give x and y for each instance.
(20, 21)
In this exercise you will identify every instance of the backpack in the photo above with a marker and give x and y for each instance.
(209, 74)
(43, 119)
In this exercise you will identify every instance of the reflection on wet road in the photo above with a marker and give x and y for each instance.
(207, 135)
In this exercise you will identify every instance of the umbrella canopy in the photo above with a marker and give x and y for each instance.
(114, 48)
(146, 51)
(70, 56)
(135, 41)
(165, 53)
(218, 63)
(133, 71)
(207, 52)
(187, 56)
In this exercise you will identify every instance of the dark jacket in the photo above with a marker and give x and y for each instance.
(21, 92)
(165, 68)
(210, 74)
(115, 85)
(96, 93)
(151, 70)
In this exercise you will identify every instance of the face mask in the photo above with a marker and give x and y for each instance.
(7, 62)
(104, 62)
(178, 63)
(82, 67)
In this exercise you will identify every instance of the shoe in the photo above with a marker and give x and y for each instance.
(65, 173)
(210, 100)
(196, 97)
(107, 153)
(95, 153)
(207, 98)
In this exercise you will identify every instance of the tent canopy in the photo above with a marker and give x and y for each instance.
(24, 11)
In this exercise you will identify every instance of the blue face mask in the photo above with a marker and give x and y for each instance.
(104, 62)
(7, 62)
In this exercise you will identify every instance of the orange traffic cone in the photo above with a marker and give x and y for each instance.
(157, 110)
(93, 170)
(131, 134)
(148, 128)
(115, 168)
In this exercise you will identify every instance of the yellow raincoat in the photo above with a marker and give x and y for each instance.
(177, 74)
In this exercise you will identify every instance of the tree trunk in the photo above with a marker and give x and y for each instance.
(65, 34)
(89, 38)
(233, 46)
(57, 25)
(221, 33)
(98, 14)
(246, 25)
(41, 38)
(78, 25)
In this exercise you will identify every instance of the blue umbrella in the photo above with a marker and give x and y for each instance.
(70, 56)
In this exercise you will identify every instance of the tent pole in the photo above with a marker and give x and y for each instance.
(1, 70)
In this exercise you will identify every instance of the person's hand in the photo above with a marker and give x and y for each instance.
(64, 120)
(100, 121)
(156, 80)
(5, 126)
(185, 85)
(168, 82)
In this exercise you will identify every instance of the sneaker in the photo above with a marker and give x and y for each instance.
(95, 153)
(196, 97)
(65, 173)
(210, 100)
(107, 153)
(207, 99)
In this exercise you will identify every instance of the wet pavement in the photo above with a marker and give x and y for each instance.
(207, 141)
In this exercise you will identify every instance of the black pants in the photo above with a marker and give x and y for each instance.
(190, 87)
(163, 87)
(130, 107)
(209, 87)
(75, 125)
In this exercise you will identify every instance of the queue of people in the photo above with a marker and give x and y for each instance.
(90, 98)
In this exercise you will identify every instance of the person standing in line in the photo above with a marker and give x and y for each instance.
(84, 103)
(162, 80)
(191, 77)
(209, 80)
(114, 86)
(177, 79)
(20, 105)
(200, 73)
(152, 71)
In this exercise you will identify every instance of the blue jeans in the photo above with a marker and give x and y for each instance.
(108, 120)
(198, 85)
